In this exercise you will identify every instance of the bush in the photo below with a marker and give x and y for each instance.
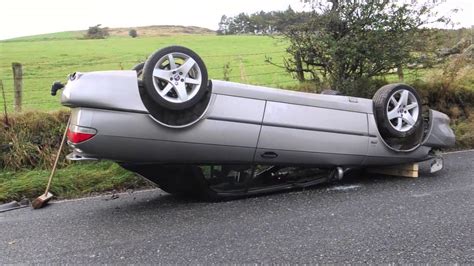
(96, 32)
(464, 130)
(133, 33)
(347, 42)
(363, 87)
(450, 91)
(28, 150)
(32, 140)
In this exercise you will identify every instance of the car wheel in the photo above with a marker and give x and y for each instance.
(175, 78)
(398, 110)
(184, 181)
(139, 69)
(179, 180)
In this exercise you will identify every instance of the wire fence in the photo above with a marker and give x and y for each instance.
(37, 78)
(40, 77)
(143, 58)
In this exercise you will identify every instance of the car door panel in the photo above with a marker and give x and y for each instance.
(120, 148)
(237, 109)
(315, 118)
(312, 135)
(291, 143)
(229, 133)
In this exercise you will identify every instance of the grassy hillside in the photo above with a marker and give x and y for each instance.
(162, 30)
(144, 31)
(45, 61)
(65, 35)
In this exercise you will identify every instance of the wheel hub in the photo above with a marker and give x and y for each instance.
(177, 77)
(403, 110)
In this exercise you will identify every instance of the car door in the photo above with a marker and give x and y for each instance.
(300, 134)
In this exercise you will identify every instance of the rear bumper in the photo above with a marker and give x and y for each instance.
(77, 156)
(113, 90)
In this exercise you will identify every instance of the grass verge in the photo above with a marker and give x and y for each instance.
(28, 147)
(76, 180)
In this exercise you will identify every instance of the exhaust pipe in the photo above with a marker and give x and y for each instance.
(338, 173)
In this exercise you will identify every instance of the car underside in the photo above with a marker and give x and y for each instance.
(193, 136)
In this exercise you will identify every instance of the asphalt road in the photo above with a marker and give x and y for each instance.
(366, 220)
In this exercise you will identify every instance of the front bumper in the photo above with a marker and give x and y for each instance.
(440, 134)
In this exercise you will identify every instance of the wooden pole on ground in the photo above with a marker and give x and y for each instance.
(7, 124)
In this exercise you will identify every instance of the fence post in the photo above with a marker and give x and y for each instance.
(17, 84)
(299, 67)
(243, 76)
(400, 73)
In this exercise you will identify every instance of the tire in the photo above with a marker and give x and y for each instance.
(182, 80)
(398, 111)
(179, 180)
(139, 69)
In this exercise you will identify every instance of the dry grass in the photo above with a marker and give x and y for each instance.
(451, 89)
(76, 180)
(28, 149)
(165, 30)
(31, 140)
(464, 130)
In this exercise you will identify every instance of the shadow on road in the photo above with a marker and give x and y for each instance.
(165, 203)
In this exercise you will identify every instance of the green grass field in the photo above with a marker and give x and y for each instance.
(65, 35)
(45, 61)
(50, 57)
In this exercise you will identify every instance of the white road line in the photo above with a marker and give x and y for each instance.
(105, 195)
(454, 152)
(344, 188)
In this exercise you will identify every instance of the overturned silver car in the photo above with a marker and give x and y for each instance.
(166, 121)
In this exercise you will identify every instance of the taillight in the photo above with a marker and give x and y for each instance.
(78, 134)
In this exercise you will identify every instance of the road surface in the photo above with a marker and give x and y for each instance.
(362, 220)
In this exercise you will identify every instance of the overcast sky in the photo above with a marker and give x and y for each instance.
(28, 17)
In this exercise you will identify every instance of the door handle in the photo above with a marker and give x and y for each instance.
(269, 155)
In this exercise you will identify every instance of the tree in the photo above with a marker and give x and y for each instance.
(241, 24)
(223, 26)
(97, 32)
(273, 22)
(133, 33)
(346, 42)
